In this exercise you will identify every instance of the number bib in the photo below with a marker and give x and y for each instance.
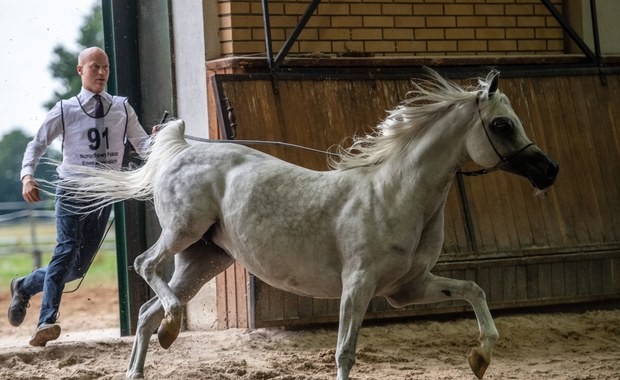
(90, 141)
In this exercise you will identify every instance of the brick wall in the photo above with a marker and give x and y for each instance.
(395, 27)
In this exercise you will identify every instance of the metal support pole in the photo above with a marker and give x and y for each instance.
(267, 27)
(597, 41)
(291, 40)
(467, 215)
(107, 8)
(571, 32)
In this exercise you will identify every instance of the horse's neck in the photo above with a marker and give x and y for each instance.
(426, 172)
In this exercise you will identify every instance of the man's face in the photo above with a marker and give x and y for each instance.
(95, 71)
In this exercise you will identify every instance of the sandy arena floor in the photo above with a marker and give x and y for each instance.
(532, 346)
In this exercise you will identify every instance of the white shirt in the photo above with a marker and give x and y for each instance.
(87, 140)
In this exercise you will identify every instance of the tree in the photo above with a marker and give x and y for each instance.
(11, 154)
(63, 66)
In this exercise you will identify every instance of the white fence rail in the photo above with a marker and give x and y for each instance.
(30, 229)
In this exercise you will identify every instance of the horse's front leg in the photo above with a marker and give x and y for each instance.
(436, 289)
(357, 291)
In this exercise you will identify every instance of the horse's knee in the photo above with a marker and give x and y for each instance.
(138, 264)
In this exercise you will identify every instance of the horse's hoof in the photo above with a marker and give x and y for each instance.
(167, 333)
(134, 375)
(478, 361)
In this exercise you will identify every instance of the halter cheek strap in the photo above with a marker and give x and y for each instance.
(503, 160)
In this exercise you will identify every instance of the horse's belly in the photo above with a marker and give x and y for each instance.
(304, 284)
(306, 272)
(301, 277)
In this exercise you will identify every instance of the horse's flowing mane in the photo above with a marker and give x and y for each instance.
(431, 98)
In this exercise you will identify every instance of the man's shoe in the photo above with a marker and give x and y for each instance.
(45, 333)
(19, 303)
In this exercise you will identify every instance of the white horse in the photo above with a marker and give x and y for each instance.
(372, 226)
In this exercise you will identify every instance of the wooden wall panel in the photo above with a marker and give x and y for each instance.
(560, 246)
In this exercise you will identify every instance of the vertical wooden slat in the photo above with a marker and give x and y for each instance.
(532, 282)
(583, 278)
(231, 296)
(558, 285)
(570, 279)
(221, 303)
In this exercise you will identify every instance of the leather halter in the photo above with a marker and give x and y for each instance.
(503, 160)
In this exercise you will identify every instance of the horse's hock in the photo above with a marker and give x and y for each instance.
(523, 250)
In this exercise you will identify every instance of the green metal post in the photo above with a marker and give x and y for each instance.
(119, 209)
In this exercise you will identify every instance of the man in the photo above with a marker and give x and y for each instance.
(93, 127)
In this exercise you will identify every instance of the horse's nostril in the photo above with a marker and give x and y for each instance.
(552, 170)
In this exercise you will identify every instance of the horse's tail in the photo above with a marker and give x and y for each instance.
(101, 186)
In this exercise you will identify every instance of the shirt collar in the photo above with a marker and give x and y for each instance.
(86, 95)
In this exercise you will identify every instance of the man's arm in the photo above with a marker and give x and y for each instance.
(48, 132)
(136, 135)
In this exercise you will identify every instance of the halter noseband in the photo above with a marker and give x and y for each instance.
(503, 160)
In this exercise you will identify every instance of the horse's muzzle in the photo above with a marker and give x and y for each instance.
(534, 165)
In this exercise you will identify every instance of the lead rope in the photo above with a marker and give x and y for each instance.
(472, 173)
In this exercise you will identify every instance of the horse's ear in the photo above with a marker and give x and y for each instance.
(490, 83)
(494, 83)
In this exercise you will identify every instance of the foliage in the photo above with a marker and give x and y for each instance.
(11, 154)
(63, 67)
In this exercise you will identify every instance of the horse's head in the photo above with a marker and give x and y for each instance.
(498, 139)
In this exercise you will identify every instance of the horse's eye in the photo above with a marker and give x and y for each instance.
(502, 125)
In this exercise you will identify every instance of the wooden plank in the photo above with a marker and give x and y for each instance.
(518, 190)
(241, 294)
(231, 296)
(616, 274)
(220, 301)
(607, 276)
(558, 284)
(496, 285)
(583, 278)
(304, 307)
(596, 272)
(508, 278)
(520, 283)
(533, 283)
(290, 306)
(570, 279)
(607, 154)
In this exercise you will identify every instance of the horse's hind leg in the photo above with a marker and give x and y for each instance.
(436, 289)
(147, 265)
(151, 313)
(193, 268)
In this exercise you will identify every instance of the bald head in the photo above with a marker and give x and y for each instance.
(94, 68)
(88, 53)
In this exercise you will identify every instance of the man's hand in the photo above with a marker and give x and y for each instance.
(30, 189)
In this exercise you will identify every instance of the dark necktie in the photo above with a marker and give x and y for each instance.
(98, 106)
